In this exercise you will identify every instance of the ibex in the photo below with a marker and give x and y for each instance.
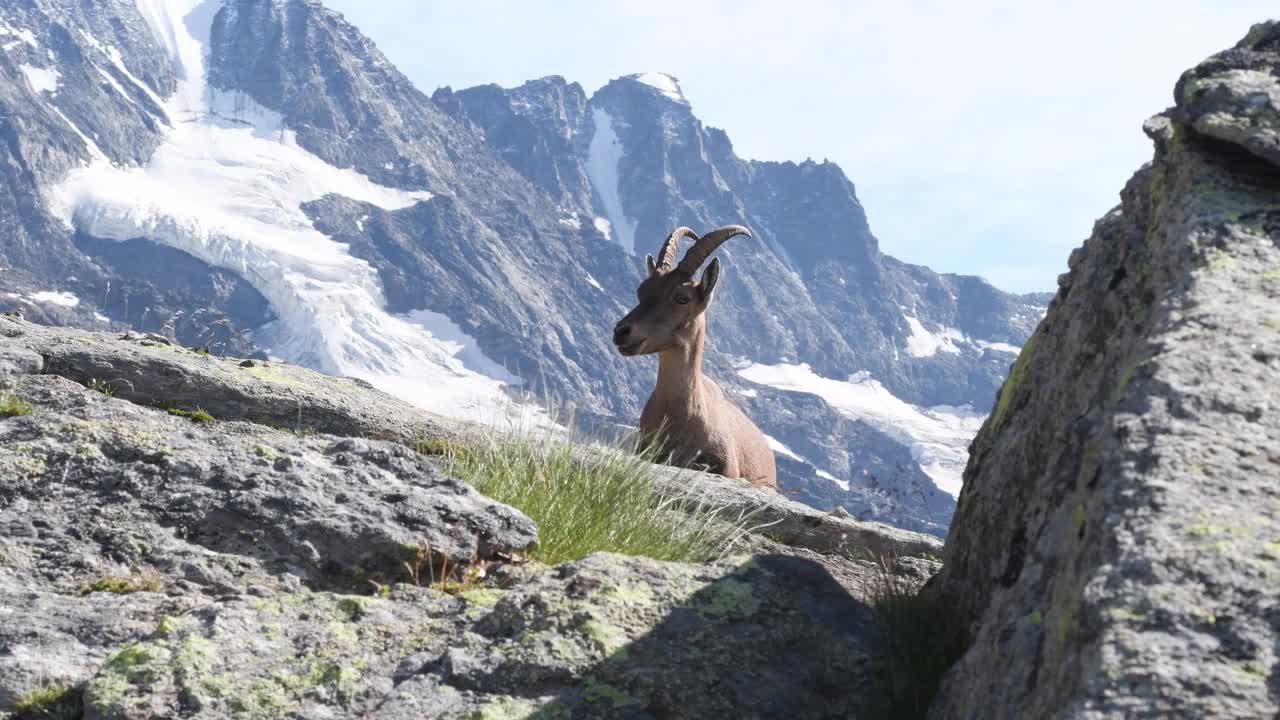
(688, 413)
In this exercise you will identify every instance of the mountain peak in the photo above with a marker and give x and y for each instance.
(666, 84)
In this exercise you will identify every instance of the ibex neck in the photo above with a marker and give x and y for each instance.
(680, 371)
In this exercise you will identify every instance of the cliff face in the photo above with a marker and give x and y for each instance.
(1115, 544)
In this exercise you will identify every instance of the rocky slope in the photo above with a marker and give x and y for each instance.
(1116, 546)
(254, 175)
(160, 566)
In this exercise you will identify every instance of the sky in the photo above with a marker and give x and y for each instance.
(983, 137)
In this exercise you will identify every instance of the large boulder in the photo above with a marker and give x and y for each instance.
(605, 637)
(1116, 548)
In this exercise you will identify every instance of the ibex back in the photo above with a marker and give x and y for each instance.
(688, 412)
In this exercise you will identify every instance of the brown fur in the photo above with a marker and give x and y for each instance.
(698, 425)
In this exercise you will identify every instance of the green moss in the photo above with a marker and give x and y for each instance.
(598, 692)
(1013, 381)
(1219, 261)
(482, 597)
(632, 595)
(13, 406)
(351, 608)
(169, 626)
(196, 415)
(729, 597)
(1066, 620)
(51, 701)
(1080, 517)
(610, 638)
(1272, 274)
(1273, 324)
(1035, 617)
(1122, 383)
(264, 451)
(504, 707)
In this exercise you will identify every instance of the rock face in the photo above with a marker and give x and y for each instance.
(542, 201)
(1115, 545)
(161, 566)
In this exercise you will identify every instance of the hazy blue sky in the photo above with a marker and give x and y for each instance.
(983, 137)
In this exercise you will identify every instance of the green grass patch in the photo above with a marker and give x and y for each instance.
(920, 638)
(588, 499)
(197, 415)
(13, 406)
(51, 701)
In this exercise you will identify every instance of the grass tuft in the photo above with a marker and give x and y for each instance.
(125, 584)
(102, 386)
(604, 501)
(920, 638)
(51, 701)
(197, 415)
(13, 406)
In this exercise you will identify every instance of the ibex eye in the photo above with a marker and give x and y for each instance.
(682, 299)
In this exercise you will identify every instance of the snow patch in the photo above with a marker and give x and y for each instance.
(938, 437)
(111, 80)
(95, 152)
(603, 155)
(666, 84)
(226, 186)
(49, 297)
(458, 344)
(999, 347)
(749, 392)
(922, 343)
(593, 283)
(113, 54)
(23, 35)
(844, 484)
(571, 220)
(778, 448)
(604, 227)
(41, 79)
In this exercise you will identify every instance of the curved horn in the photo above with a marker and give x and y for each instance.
(667, 254)
(706, 245)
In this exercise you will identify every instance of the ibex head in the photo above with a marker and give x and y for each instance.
(670, 300)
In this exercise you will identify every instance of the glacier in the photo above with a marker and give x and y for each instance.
(937, 436)
(227, 186)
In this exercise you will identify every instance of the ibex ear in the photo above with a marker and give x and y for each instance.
(709, 278)
(653, 267)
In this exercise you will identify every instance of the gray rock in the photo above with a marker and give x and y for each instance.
(1115, 545)
(296, 399)
(605, 637)
(250, 553)
(100, 490)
